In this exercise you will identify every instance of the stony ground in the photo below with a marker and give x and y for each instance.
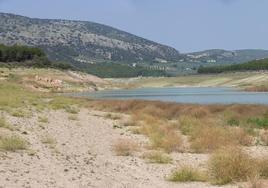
(82, 156)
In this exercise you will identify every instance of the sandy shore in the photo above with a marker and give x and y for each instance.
(82, 155)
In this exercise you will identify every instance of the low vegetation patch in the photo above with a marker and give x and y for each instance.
(207, 135)
(125, 147)
(207, 127)
(49, 140)
(73, 117)
(209, 138)
(112, 116)
(157, 157)
(259, 122)
(4, 123)
(255, 182)
(264, 138)
(43, 119)
(65, 103)
(188, 124)
(72, 109)
(263, 167)
(162, 136)
(135, 130)
(187, 174)
(12, 143)
(14, 99)
(20, 113)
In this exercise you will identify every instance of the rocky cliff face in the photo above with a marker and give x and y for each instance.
(81, 41)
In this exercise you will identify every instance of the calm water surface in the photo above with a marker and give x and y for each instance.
(201, 95)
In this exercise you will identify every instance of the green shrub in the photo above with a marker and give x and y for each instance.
(260, 122)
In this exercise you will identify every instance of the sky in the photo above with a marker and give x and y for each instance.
(187, 25)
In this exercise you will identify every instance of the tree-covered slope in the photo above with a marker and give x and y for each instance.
(256, 65)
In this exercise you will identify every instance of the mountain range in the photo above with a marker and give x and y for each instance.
(83, 43)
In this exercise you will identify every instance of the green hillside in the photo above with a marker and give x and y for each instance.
(256, 65)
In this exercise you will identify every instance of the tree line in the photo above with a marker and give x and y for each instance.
(117, 70)
(255, 65)
(18, 55)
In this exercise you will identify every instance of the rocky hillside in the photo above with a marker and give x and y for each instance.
(79, 41)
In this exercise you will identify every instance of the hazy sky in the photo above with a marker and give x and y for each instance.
(187, 25)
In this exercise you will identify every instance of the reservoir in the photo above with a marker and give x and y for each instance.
(199, 95)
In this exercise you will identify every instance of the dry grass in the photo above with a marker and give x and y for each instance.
(72, 109)
(255, 182)
(231, 164)
(208, 127)
(187, 174)
(135, 130)
(12, 143)
(264, 138)
(263, 166)
(208, 134)
(112, 116)
(241, 136)
(208, 138)
(188, 124)
(73, 117)
(162, 135)
(49, 140)
(157, 157)
(130, 122)
(21, 113)
(43, 119)
(125, 147)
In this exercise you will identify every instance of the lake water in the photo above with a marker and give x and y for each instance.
(200, 95)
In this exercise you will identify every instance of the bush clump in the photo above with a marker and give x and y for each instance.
(231, 164)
